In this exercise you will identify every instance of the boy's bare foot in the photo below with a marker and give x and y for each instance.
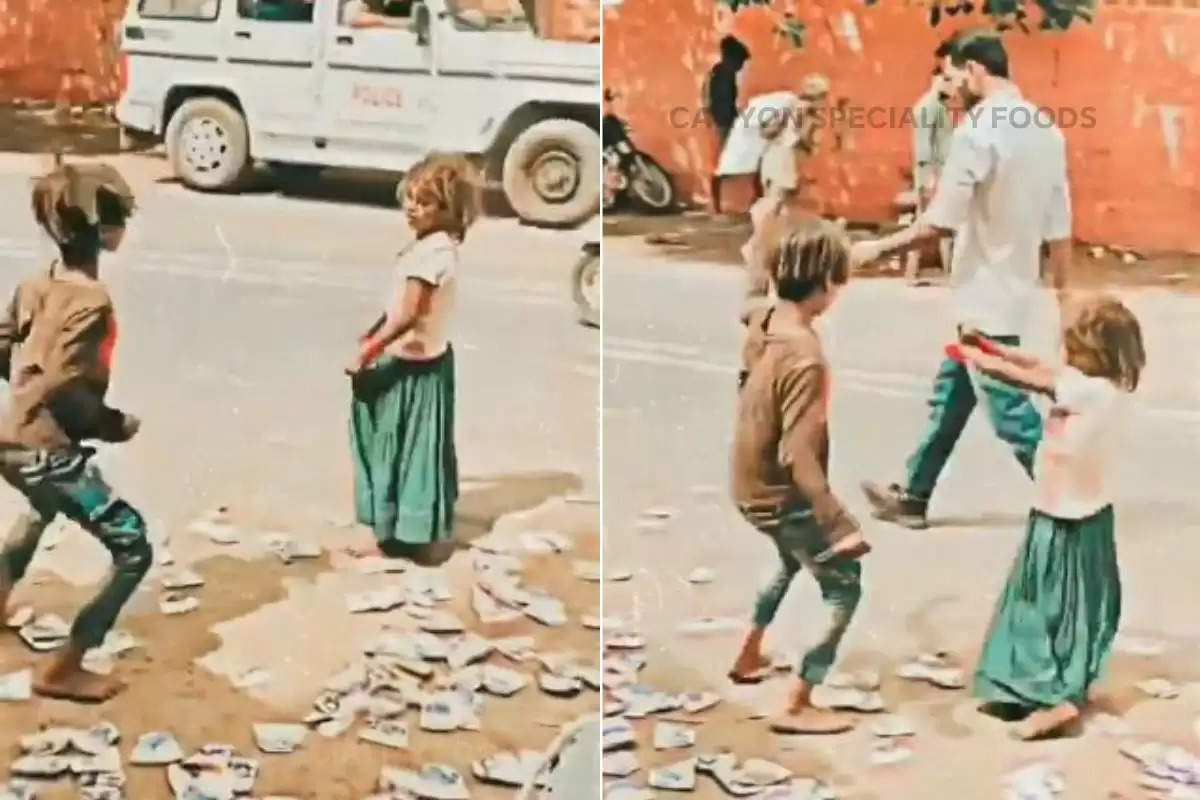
(751, 668)
(809, 720)
(751, 665)
(801, 717)
(1046, 722)
(66, 679)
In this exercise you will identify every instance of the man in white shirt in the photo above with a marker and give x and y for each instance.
(1003, 192)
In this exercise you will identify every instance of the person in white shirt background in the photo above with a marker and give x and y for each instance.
(1003, 192)
(1057, 616)
(933, 128)
(766, 139)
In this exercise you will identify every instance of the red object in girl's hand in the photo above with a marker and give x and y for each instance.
(986, 346)
(954, 353)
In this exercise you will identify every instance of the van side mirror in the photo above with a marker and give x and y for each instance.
(420, 23)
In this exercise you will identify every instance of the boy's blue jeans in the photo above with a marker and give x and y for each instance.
(1010, 410)
(799, 541)
(63, 482)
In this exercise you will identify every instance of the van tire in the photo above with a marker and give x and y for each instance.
(548, 147)
(208, 145)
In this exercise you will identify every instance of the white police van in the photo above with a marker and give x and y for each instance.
(365, 84)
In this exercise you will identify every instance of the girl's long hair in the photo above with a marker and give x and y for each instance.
(1104, 340)
(453, 184)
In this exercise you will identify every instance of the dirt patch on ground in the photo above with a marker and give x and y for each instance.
(169, 691)
(699, 236)
(46, 129)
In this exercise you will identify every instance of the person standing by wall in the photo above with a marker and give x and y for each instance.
(720, 97)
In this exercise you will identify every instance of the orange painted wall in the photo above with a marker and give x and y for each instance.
(1135, 174)
(59, 49)
(64, 49)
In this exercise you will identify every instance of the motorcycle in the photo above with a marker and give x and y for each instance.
(586, 285)
(630, 174)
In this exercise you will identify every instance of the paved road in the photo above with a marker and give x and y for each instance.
(671, 348)
(237, 314)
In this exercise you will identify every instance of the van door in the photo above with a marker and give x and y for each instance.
(378, 101)
(273, 51)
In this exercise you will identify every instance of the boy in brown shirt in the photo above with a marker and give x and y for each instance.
(781, 456)
(56, 344)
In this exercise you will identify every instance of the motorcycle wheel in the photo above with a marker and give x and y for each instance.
(586, 289)
(650, 185)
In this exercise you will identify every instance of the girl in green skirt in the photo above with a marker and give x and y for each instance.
(1054, 625)
(402, 406)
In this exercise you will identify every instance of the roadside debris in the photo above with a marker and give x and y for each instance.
(1040, 781)
(508, 769)
(893, 725)
(889, 751)
(671, 737)
(182, 578)
(701, 575)
(289, 549)
(935, 669)
(705, 626)
(16, 687)
(20, 618)
(45, 633)
(388, 733)
(279, 739)
(89, 757)
(434, 782)
(155, 750)
(216, 527)
(621, 764)
(1164, 766)
(680, 777)
(173, 604)
(545, 542)
(1160, 688)
(379, 600)
(1138, 646)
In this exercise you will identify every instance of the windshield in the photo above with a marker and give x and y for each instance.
(504, 15)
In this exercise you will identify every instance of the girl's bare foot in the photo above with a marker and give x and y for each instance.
(1046, 722)
(66, 679)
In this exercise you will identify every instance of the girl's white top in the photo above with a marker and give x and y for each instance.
(434, 261)
(1071, 473)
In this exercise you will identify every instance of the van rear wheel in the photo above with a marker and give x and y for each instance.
(551, 173)
(208, 145)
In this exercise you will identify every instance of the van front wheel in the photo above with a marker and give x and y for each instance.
(208, 145)
(551, 173)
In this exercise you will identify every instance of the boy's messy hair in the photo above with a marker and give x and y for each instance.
(452, 183)
(73, 201)
(805, 256)
(1104, 340)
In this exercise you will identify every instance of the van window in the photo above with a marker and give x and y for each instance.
(276, 10)
(202, 10)
(375, 13)
(506, 15)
